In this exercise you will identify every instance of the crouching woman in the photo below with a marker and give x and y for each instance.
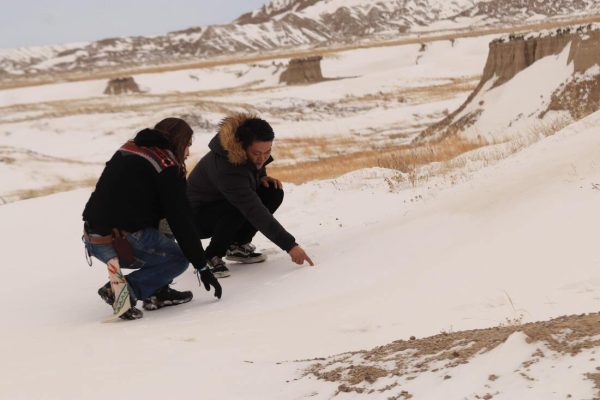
(141, 184)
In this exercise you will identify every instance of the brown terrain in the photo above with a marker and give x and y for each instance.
(404, 360)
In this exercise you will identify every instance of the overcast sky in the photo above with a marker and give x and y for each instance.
(40, 22)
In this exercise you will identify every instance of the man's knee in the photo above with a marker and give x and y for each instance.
(271, 197)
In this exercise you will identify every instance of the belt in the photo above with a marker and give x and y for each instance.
(97, 239)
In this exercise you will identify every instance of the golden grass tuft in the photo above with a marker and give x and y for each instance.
(404, 158)
(62, 186)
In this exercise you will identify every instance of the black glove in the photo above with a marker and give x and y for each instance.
(206, 277)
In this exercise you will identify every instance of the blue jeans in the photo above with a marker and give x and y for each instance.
(158, 260)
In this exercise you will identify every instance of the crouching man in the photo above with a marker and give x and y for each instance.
(233, 197)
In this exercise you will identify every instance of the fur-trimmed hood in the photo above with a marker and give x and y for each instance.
(229, 144)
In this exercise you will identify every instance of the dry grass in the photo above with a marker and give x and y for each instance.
(204, 101)
(62, 186)
(152, 103)
(313, 147)
(420, 94)
(404, 158)
(441, 157)
(549, 128)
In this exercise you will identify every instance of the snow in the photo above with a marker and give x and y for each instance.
(52, 92)
(513, 240)
(465, 257)
(176, 81)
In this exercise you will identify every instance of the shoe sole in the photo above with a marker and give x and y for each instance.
(246, 260)
(167, 303)
(221, 274)
(132, 317)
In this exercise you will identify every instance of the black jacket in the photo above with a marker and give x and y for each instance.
(225, 173)
(134, 194)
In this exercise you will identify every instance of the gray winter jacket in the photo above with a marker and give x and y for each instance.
(225, 173)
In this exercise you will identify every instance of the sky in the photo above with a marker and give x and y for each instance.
(39, 22)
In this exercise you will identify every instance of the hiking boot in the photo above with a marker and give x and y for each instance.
(131, 314)
(107, 294)
(218, 268)
(244, 253)
(166, 296)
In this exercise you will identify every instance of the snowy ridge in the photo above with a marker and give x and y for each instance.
(322, 9)
(420, 12)
(287, 24)
(12, 60)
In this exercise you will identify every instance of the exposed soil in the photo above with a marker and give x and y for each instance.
(567, 335)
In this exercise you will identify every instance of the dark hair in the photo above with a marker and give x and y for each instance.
(178, 133)
(252, 130)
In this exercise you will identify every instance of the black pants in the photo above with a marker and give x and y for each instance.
(225, 224)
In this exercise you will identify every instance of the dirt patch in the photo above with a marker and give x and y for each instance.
(567, 335)
(580, 97)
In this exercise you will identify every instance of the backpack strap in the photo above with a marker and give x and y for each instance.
(159, 158)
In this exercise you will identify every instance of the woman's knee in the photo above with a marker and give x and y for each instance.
(102, 252)
(180, 264)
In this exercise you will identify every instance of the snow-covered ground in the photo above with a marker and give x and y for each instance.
(516, 242)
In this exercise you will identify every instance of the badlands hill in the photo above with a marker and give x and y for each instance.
(538, 78)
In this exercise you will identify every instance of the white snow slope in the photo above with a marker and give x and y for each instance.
(519, 238)
(513, 108)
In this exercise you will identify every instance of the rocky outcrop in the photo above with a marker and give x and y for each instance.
(513, 54)
(507, 57)
(302, 71)
(123, 85)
